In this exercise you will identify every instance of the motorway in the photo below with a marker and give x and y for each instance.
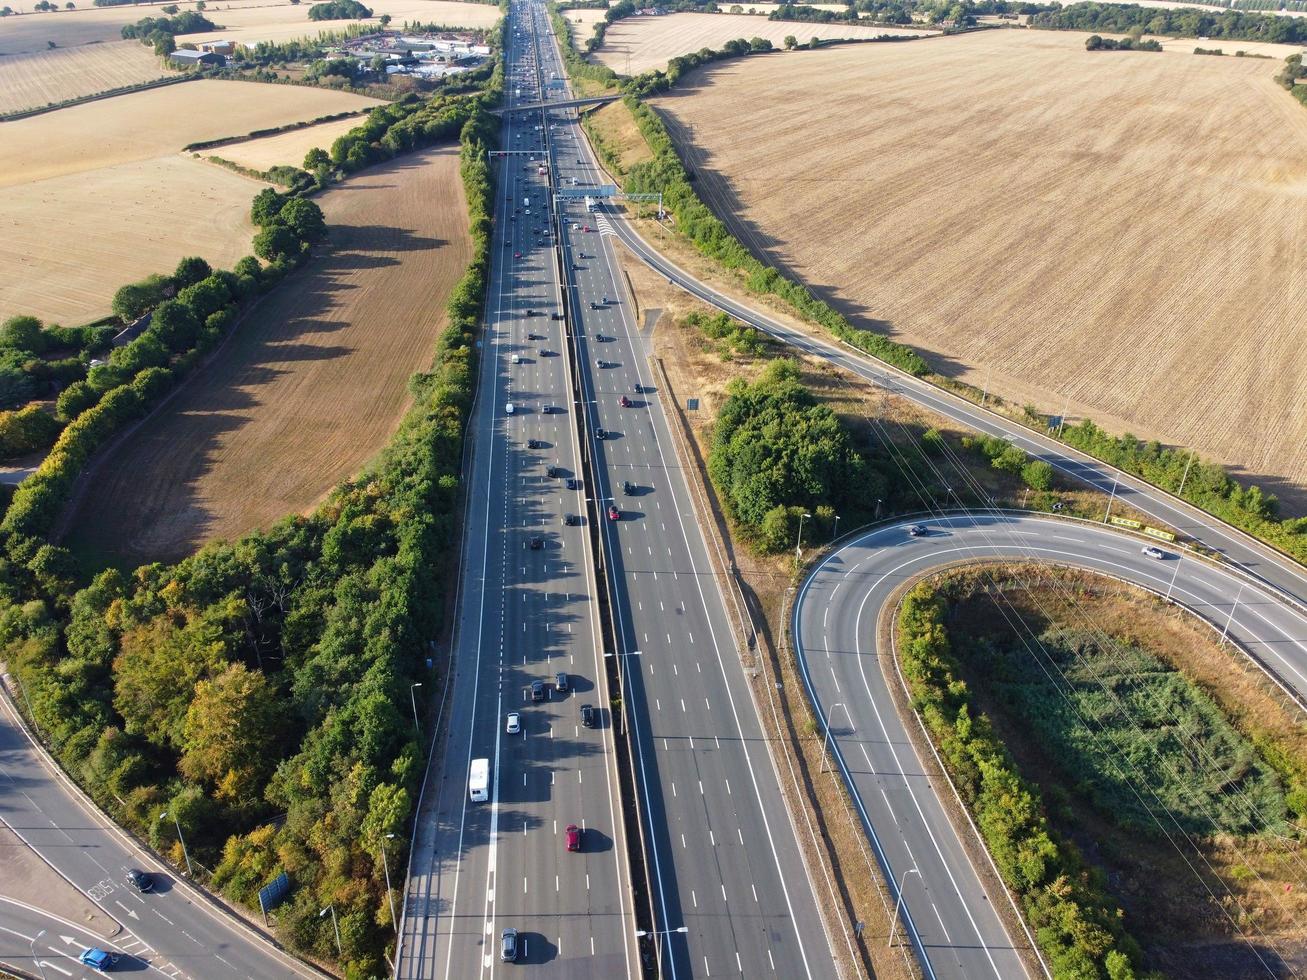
(730, 891)
(835, 621)
(721, 850)
(523, 615)
(172, 931)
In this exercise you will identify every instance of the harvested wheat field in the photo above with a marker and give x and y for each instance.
(92, 197)
(651, 42)
(31, 32)
(284, 21)
(308, 388)
(28, 81)
(1123, 230)
(284, 148)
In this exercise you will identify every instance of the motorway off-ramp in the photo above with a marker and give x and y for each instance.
(950, 915)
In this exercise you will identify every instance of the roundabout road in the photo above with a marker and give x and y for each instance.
(947, 911)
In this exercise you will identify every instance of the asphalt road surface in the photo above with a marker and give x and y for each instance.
(526, 611)
(731, 892)
(172, 930)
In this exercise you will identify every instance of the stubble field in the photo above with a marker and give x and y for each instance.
(29, 81)
(288, 148)
(650, 42)
(309, 387)
(1120, 232)
(98, 195)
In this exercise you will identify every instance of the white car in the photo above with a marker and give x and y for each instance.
(508, 409)
(514, 723)
(1152, 551)
(516, 358)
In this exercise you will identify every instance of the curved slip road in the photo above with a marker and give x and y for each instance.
(173, 930)
(947, 912)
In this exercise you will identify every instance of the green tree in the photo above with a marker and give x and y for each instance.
(230, 733)
(133, 301)
(156, 671)
(276, 242)
(267, 205)
(74, 400)
(316, 158)
(164, 44)
(191, 270)
(385, 20)
(304, 218)
(23, 333)
(1038, 474)
(791, 42)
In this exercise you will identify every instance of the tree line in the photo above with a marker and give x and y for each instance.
(1119, 19)
(297, 645)
(1096, 43)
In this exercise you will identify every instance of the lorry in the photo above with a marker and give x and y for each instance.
(478, 781)
(591, 203)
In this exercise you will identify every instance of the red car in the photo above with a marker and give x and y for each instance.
(517, 255)
(626, 402)
(613, 513)
(573, 837)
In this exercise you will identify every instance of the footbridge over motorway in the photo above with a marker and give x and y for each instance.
(569, 104)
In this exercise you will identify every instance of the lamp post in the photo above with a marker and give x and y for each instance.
(836, 533)
(334, 925)
(798, 541)
(1108, 513)
(639, 933)
(181, 840)
(385, 863)
(39, 965)
(898, 903)
(412, 697)
(826, 741)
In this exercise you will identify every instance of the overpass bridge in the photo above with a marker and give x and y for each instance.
(562, 104)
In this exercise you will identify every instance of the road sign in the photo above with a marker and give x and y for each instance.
(576, 193)
(1154, 532)
(1126, 522)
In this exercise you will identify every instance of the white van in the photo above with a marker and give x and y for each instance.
(478, 782)
(508, 409)
(516, 358)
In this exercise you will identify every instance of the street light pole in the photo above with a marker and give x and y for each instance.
(898, 903)
(414, 701)
(1189, 463)
(1225, 631)
(836, 533)
(390, 897)
(334, 925)
(826, 741)
(1178, 559)
(798, 542)
(181, 840)
(39, 965)
(1108, 512)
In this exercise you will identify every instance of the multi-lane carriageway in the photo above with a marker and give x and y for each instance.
(730, 893)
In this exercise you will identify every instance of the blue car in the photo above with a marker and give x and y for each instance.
(98, 959)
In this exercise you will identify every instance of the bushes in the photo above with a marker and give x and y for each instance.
(26, 431)
(1206, 485)
(1096, 43)
(1076, 924)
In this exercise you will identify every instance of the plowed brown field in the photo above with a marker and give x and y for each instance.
(1122, 230)
(309, 387)
(650, 42)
